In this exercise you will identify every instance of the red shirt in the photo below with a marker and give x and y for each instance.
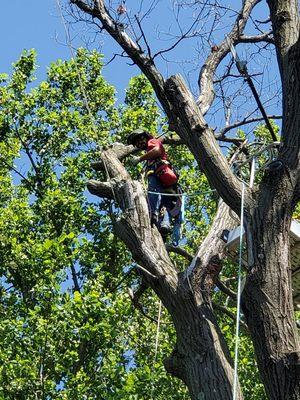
(157, 143)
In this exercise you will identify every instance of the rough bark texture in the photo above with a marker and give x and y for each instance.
(201, 358)
(267, 297)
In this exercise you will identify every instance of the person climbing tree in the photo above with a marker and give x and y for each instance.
(159, 171)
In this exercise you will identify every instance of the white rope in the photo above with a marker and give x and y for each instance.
(69, 43)
(156, 344)
(81, 85)
(239, 292)
(183, 194)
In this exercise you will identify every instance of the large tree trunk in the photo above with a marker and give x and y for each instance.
(267, 297)
(201, 358)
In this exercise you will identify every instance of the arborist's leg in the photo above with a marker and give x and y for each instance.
(176, 234)
(154, 185)
(165, 225)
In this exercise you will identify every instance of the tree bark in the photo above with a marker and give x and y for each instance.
(201, 358)
(267, 297)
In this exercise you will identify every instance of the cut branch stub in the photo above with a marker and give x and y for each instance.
(101, 189)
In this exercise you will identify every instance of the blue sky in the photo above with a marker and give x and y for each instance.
(26, 24)
(30, 24)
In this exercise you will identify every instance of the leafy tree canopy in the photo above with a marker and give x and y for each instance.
(68, 329)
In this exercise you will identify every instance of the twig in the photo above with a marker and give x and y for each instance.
(244, 122)
(225, 289)
(231, 315)
(180, 251)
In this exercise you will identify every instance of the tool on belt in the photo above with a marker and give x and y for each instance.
(164, 171)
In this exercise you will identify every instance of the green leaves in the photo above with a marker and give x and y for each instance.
(67, 327)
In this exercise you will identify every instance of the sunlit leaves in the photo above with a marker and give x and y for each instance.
(68, 329)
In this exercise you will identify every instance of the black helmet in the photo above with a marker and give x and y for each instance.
(134, 135)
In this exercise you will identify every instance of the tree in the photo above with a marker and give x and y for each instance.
(76, 320)
(67, 326)
(200, 357)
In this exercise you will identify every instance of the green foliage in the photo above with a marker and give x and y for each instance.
(67, 329)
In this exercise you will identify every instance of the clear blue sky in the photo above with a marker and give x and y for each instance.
(26, 24)
(29, 24)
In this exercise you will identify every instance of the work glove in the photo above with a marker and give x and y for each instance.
(134, 160)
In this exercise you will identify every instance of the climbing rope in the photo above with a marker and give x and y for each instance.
(183, 194)
(239, 292)
(156, 345)
(82, 89)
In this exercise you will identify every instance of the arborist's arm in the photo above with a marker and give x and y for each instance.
(151, 154)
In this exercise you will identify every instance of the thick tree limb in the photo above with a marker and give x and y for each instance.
(133, 226)
(121, 151)
(101, 189)
(212, 245)
(208, 70)
(201, 141)
(286, 26)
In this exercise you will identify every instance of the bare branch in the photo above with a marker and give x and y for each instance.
(143, 36)
(244, 122)
(224, 310)
(117, 32)
(180, 251)
(207, 72)
(264, 37)
(135, 297)
(225, 289)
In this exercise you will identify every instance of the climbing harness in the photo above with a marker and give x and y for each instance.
(164, 171)
(242, 68)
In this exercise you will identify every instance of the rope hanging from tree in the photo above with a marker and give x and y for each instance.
(239, 292)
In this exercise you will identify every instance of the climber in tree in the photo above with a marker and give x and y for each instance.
(160, 174)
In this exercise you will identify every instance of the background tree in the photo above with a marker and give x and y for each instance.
(200, 357)
(75, 319)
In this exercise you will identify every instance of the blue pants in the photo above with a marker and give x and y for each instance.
(154, 185)
(177, 221)
(156, 201)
